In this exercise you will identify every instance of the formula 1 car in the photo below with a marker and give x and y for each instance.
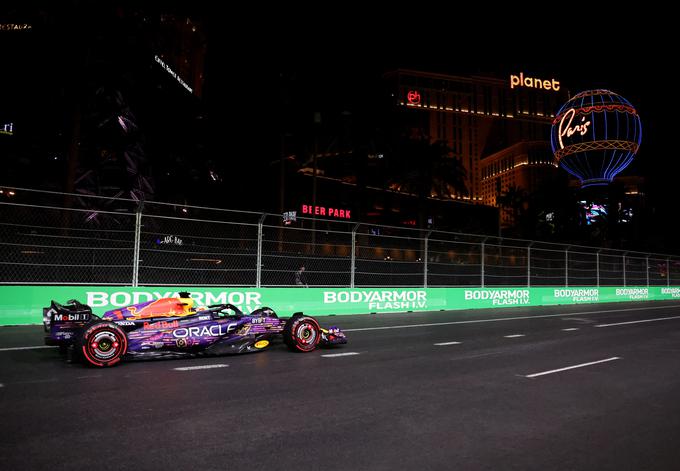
(171, 327)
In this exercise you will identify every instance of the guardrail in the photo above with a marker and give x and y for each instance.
(66, 239)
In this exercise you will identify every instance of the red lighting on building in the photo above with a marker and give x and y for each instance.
(413, 97)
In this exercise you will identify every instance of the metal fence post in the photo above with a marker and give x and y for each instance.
(647, 259)
(529, 264)
(624, 269)
(138, 237)
(258, 269)
(483, 261)
(352, 267)
(597, 261)
(425, 257)
(566, 266)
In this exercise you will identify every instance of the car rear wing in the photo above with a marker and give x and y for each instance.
(71, 312)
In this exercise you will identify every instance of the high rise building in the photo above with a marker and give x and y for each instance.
(516, 169)
(478, 117)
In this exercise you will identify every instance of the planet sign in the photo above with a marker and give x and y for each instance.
(595, 135)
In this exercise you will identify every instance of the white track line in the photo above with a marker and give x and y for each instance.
(202, 367)
(442, 344)
(639, 322)
(572, 367)
(570, 329)
(513, 336)
(25, 348)
(333, 355)
(479, 321)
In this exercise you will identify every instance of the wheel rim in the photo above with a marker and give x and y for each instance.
(306, 334)
(104, 345)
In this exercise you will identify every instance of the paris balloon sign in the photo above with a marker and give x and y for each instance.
(595, 135)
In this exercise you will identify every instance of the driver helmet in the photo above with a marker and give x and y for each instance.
(186, 300)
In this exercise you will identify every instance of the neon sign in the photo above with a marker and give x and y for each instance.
(595, 135)
(413, 97)
(326, 211)
(569, 130)
(15, 26)
(530, 82)
(173, 74)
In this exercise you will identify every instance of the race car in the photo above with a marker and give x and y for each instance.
(171, 327)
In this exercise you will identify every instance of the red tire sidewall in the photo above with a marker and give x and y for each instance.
(116, 332)
(301, 345)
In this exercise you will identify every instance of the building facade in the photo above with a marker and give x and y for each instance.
(477, 117)
(516, 170)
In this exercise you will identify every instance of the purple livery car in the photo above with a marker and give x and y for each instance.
(171, 327)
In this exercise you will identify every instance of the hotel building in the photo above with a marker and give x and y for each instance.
(497, 128)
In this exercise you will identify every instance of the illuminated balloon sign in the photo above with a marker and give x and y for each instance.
(595, 135)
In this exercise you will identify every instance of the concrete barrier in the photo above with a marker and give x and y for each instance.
(23, 304)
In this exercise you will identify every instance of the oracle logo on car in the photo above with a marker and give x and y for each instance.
(215, 330)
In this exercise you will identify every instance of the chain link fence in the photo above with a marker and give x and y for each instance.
(42, 244)
(57, 238)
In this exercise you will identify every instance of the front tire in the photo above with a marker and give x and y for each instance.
(302, 333)
(103, 344)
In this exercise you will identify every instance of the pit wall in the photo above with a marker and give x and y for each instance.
(23, 304)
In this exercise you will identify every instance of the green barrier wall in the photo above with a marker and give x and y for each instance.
(23, 304)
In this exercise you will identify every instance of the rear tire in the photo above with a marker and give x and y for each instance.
(302, 333)
(103, 344)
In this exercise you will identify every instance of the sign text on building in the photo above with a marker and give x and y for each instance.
(326, 211)
(531, 82)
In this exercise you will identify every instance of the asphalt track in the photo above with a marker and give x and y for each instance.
(591, 387)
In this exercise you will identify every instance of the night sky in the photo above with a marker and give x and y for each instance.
(332, 60)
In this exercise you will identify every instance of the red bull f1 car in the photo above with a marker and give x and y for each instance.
(172, 327)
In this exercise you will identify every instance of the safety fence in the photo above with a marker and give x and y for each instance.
(56, 238)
